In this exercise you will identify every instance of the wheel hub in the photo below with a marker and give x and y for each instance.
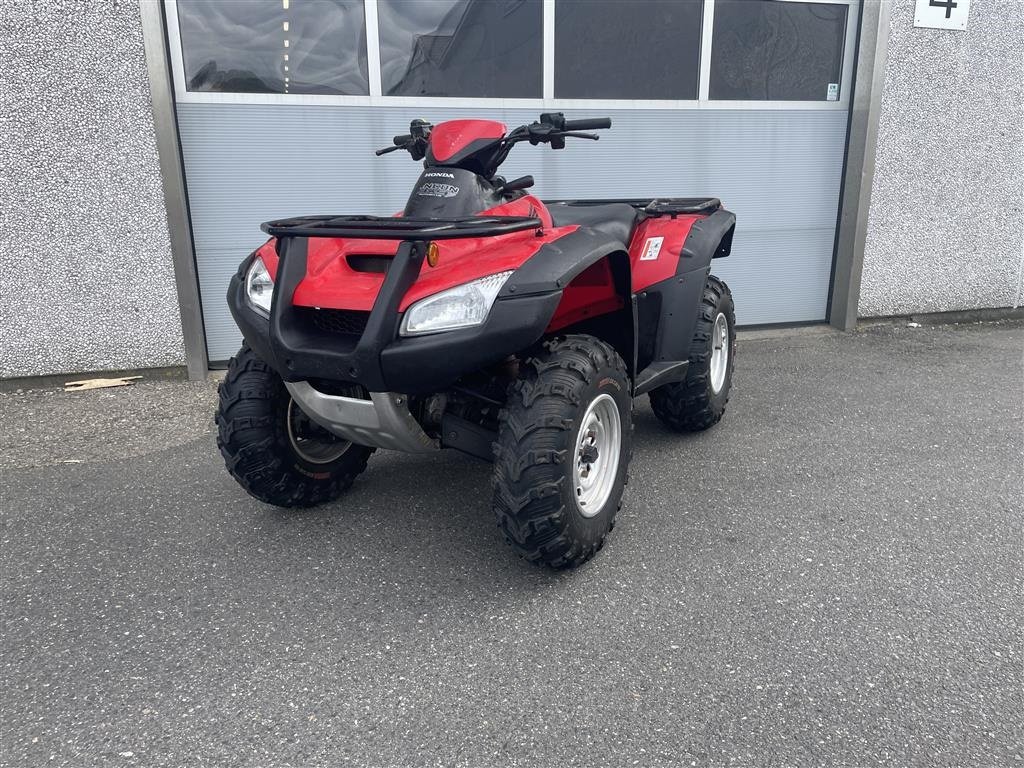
(311, 441)
(598, 445)
(719, 352)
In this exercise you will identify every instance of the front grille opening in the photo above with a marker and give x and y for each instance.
(345, 322)
(369, 263)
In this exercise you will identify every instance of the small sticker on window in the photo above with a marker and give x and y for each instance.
(652, 248)
(833, 92)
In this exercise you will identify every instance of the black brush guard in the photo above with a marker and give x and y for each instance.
(300, 351)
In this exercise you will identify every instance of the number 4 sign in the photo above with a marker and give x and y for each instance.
(942, 14)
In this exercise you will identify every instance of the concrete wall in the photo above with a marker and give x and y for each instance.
(86, 281)
(946, 226)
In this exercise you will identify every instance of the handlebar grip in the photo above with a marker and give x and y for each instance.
(588, 125)
(401, 141)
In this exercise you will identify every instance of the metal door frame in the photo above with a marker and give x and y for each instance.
(855, 197)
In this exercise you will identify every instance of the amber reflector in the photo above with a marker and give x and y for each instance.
(433, 252)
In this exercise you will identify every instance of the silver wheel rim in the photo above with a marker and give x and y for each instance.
(719, 352)
(596, 461)
(310, 441)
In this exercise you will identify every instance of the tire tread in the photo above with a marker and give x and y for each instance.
(686, 406)
(249, 441)
(530, 451)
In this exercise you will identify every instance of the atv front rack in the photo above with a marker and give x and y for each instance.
(398, 227)
(669, 206)
(304, 352)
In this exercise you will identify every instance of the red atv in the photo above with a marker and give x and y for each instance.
(485, 320)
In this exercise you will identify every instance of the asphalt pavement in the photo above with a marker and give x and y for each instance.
(832, 576)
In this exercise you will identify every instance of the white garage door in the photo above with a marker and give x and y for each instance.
(282, 102)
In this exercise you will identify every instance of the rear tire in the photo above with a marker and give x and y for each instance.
(274, 451)
(699, 401)
(563, 451)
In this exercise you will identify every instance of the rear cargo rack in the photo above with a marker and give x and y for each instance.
(668, 206)
(398, 227)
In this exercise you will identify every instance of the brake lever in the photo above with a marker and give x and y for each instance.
(578, 135)
(384, 151)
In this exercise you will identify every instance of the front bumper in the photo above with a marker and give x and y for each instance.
(379, 359)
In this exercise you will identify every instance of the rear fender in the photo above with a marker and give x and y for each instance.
(710, 238)
(667, 310)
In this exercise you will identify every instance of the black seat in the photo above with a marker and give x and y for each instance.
(617, 220)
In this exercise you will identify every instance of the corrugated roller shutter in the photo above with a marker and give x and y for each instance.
(779, 170)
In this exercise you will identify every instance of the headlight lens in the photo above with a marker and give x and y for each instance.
(460, 307)
(259, 287)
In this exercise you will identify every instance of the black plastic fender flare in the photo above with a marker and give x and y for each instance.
(709, 238)
(555, 265)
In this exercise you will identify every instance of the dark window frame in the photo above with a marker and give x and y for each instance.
(286, 51)
(673, 59)
(502, 56)
(779, 42)
(548, 100)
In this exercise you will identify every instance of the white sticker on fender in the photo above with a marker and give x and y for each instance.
(652, 248)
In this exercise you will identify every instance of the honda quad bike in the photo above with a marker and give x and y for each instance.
(485, 320)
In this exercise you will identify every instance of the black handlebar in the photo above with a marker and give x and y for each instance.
(552, 129)
(406, 141)
(588, 125)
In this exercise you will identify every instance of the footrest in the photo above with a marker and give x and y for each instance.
(656, 374)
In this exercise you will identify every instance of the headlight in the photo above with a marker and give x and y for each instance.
(259, 287)
(460, 307)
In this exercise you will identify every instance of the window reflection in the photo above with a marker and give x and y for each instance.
(604, 49)
(274, 46)
(482, 48)
(770, 50)
(619, 49)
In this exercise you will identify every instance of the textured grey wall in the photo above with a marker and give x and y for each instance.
(946, 226)
(87, 281)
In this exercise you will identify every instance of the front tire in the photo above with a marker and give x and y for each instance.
(274, 451)
(698, 402)
(563, 451)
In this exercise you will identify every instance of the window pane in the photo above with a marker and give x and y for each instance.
(621, 49)
(484, 48)
(261, 46)
(777, 51)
